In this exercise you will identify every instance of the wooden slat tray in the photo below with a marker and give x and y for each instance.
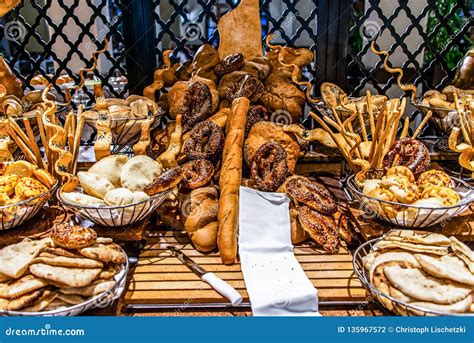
(160, 280)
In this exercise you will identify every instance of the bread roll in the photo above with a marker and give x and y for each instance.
(199, 214)
(229, 181)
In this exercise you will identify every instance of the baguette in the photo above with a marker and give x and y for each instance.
(229, 181)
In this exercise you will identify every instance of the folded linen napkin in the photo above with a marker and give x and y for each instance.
(275, 281)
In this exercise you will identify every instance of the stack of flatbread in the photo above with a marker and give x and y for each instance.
(423, 269)
(36, 275)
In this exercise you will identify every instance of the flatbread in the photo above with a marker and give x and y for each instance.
(47, 298)
(82, 199)
(416, 284)
(89, 291)
(26, 284)
(138, 172)
(4, 278)
(446, 267)
(458, 307)
(58, 251)
(23, 301)
(16, 258)
(463, 252)
(395, 255)
(368, 259)
(94, 185)
(397, 294)
(72, 262)
(418, 237)
(109, 273)
(70, 299)
(56, 304)
(70, 277)
(110, 168)
(428, 249)
(103, 253)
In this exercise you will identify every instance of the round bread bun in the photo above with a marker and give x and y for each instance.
(123, 196)
(264, 132)
(138, 172)
(110, 167)
(20, 168)
(28, 188)
(94, 184)
(72, 236)
(39, 80)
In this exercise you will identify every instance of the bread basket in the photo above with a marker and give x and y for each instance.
(16, 214)
(115, 216)
(102, 300)
(444, 119)
(386, 300)
(411, 216)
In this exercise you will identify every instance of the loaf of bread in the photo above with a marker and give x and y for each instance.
(229, 181)
(199, 215)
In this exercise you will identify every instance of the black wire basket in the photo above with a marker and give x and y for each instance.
(115, 216)
(444, 119)
(411, 216)
(388, 302)
(16, 214)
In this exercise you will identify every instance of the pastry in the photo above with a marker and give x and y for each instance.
(72, 236)
(310, 193)
(27, 188)
(229, 181)
(206, 141)
(138, 172)
(196, 173)
(94, 184)
(434, 177)
(269, 167)
(401, 171)
(320, 227)
(412, 154)
(8, 183)
(45, 177)
(448, 195)
(263, 132)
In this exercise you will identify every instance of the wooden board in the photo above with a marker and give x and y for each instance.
(461, 226)
(160, 279)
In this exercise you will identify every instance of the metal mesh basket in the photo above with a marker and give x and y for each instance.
(114, 216)
(388, 302)
(411, 216)
(444, 119)
(102, 300)
(16, 214)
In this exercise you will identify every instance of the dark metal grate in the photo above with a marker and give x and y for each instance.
(33, 23)
(433, 38)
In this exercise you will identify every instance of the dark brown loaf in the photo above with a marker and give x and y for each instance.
(229, 182)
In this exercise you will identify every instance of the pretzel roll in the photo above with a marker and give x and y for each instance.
(205, 142)
(197, 173)
(411, 153)
(229, 181)
(269, 167)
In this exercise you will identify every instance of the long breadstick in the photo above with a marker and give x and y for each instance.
(371, 113)
(23, 147)
(422, 124)
(77, 139)
(34, 146)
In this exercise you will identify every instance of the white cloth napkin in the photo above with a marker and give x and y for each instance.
(275, 281)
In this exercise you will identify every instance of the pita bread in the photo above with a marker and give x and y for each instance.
(47, 298)
(463, 252)
(4, 278)
(390, 256)
(56, 304)
(103, 253)
(23, 301)
(70, 299)
(110, 168)
(395, 293)
(92, 290)
(109, 273)
(458, 307)
(123, 196)
(58, 251)
(382, 284)
(368, 259)
(70, 277)
(82, 199)
(139, 172)
(26, 284)
(94, 184)
(417, 284)
(17, 257)
(72, 262)
(418, 237)
(429, 249)
(446, 267)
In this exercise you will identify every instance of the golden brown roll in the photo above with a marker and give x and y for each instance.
(199, 214)
(230, 179)
(263, 132)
